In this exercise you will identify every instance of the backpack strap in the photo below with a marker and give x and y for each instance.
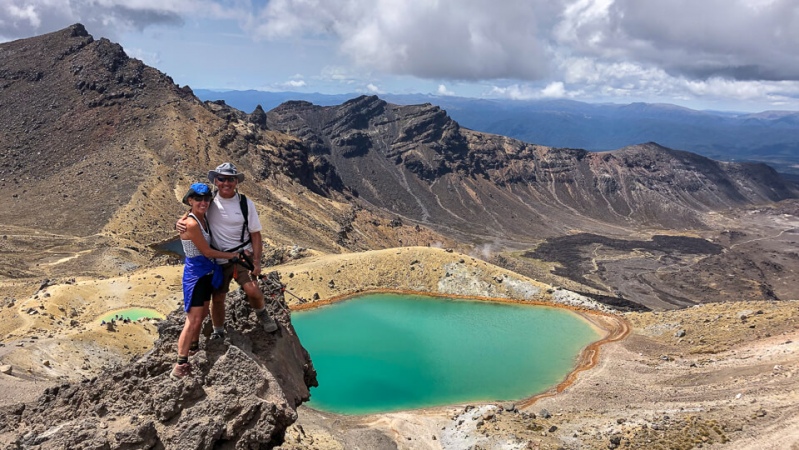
(245, 228)
(244, 212)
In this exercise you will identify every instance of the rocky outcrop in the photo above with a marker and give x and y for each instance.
(419, 138)
(242, 392)
(273, 154)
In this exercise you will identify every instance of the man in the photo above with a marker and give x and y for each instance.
(228, 233)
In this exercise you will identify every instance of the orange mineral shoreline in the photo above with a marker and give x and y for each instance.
(614, 327)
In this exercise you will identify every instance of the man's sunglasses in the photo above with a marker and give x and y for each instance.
(226, 179)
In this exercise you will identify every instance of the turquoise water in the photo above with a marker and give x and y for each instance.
(173, 246)
(387, 352)
(132, 314)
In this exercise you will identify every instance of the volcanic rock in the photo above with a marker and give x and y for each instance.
(242, 393)
(415, 160)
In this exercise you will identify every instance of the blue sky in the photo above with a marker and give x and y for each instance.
(704, 54)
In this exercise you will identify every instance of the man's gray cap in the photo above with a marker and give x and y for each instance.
(225, 169)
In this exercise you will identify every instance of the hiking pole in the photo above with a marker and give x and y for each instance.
(283, 290)
(302, 300)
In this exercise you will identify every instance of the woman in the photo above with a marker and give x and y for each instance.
(200, 275)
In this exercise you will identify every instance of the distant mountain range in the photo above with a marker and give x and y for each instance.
(771, 136)
(416, 161)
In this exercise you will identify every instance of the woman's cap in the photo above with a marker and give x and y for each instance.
(196, 190)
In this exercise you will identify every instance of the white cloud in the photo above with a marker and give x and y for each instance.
(776, 92)
(294, 84)
(515, 92)
(102, 18)
(341, 75)
(583, 21)
(595, 79)
(149, 58)
(107, 18)
(554, 90)
(602, 49)
(26, 14)
(736, 39)
(532, 91)
(373, 88)
(453, 39)
(442, 90)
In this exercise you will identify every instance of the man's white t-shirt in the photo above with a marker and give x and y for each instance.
(226, 220)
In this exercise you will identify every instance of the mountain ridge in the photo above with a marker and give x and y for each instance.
(395, 156)
(723, 135)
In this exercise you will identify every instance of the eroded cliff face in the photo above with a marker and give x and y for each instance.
(418, 162)
(242, 392)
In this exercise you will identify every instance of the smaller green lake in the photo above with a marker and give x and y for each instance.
(132, 314)
(387, 352)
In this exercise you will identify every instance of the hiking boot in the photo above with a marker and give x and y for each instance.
(267, 321)
(218, 336)
(180, 371)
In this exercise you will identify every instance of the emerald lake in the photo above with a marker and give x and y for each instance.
(132, 314)
(388, 352)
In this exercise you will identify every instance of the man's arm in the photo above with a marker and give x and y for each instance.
(181, 224)
(194, 233)
(257, 251)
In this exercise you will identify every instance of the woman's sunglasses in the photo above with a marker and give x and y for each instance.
(202, 198)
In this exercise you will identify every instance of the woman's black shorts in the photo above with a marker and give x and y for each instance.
(202, 291)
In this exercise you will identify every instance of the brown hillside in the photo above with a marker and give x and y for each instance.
(97, 149)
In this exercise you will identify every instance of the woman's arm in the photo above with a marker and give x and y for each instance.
(194, 234)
